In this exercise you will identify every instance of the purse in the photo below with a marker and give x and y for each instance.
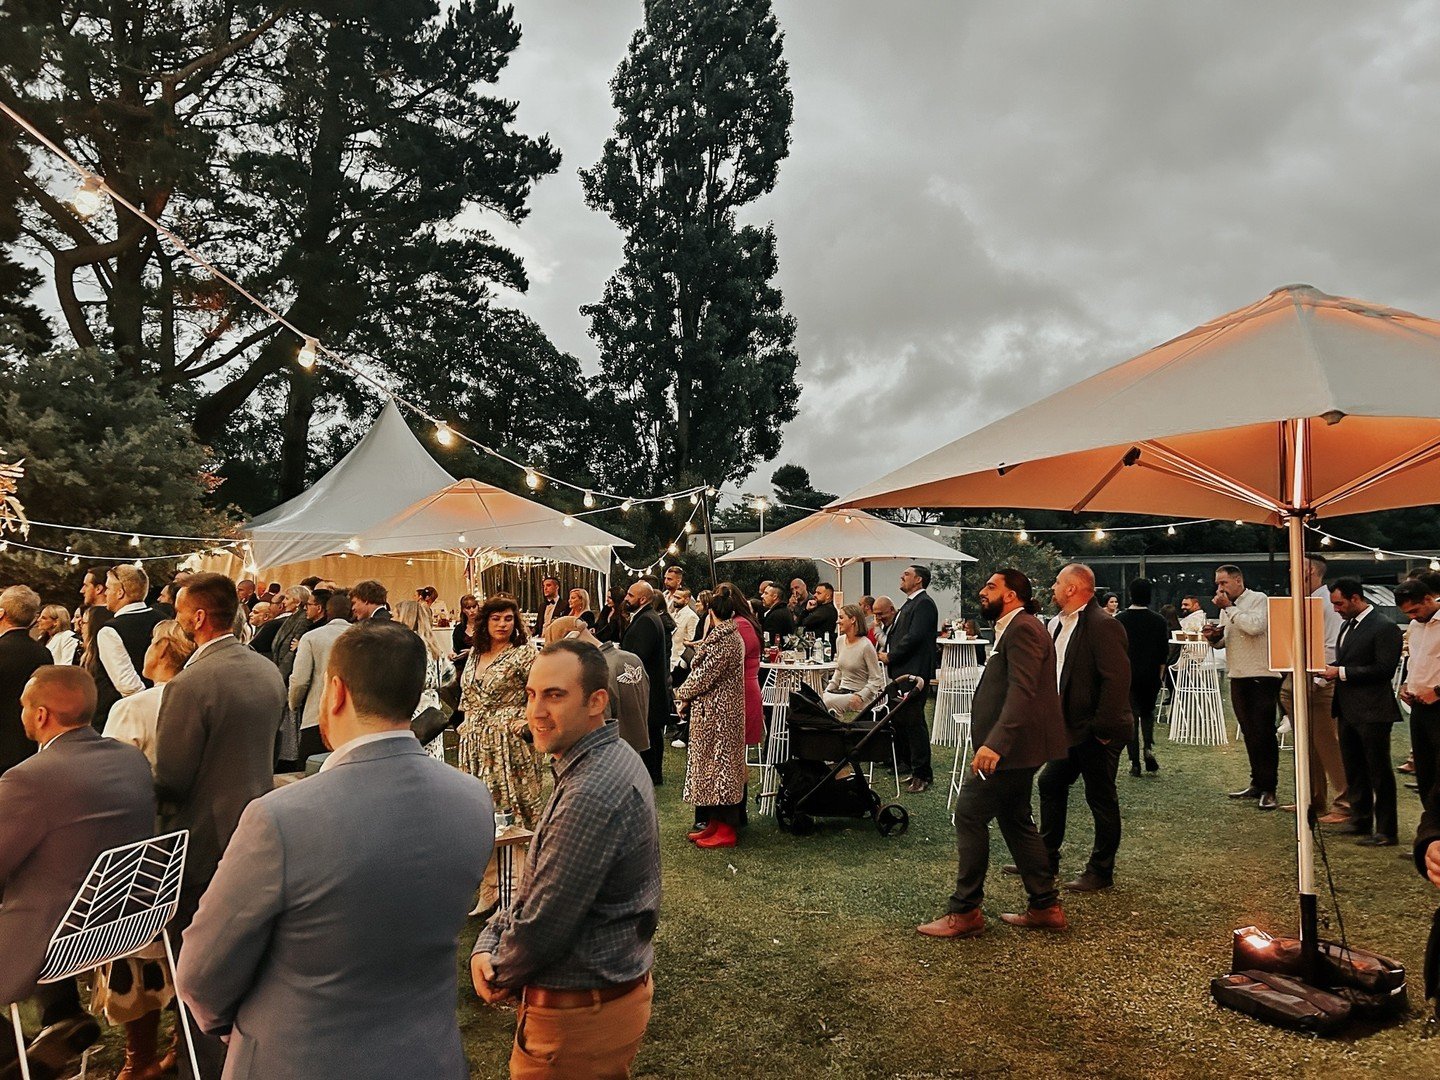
(429, 724)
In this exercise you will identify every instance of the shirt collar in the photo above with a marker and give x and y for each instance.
(1004, 621)
(339, 756)
(587, 742)
(138, 605)
(196, 654)
(1356, 619)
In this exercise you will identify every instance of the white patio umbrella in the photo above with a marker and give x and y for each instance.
(840, 537)
(1300, 406)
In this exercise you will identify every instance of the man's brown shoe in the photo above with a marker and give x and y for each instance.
(955, 925)
(1335, 817)
(916, 785)
(1050, 918)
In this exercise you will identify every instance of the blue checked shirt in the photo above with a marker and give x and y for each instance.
(584, 917)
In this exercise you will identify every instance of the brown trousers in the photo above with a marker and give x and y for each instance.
(592, 1042)
(1327, 770)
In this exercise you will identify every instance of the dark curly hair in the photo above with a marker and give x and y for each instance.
(493, 606)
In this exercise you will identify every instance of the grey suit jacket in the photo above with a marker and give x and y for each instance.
(307, 679)
(326, 943)
(215, 748)
(1016, 708)
(79, 796)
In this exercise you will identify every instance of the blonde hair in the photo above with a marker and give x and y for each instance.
(134, 582)
(558, 628)
(176, 647)
(413, 615)
(56, 612)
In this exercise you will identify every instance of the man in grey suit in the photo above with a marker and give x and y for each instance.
(1017, 724)
(80, 795)
(325, 947)
(307, 680)
(215, 747)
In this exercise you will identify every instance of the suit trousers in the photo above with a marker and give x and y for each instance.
(1094, 762)
(1254, 699)
(1005, 797)
(912, 738)
(597, 1041)
(1425, 741)
(209, 1049)
(1327, 767)
(1142, 705)
(1366, 748)
(56, 1001)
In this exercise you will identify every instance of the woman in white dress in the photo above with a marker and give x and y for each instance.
(52, 629)
(415, 615)
(857, 680)
(133, 719)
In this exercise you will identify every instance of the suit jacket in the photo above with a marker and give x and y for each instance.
(307, 679)
(549, 611)
(1095, 682)
(215, 747)
(1016, 708)
(325, 946)
(778, 622)
(821, 619)
(910, 645)
(264, 640)
(1148, 636)
(381, 613)
(20, 655)
(58, 810)
(1369, 652)
(292, 628)
(647, 639)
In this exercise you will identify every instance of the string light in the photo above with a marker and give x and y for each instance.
(89, 197)
(694, 500)
(353, 543)
(848, 519)
(1023, 536)
(1379, 555)
(673, 550)
(934, 532)
(308, 354)
(710, 491)
(567, 521)
(1170, 530)
(589, 500)
(532, 479)
(690, 528)
(1435, 564)
(1099, 534)
(444, 434)
(626, 505)
(669, 504)
(135, 541)
(1324, 541)
(409, 562)
(4, 545)
(460, 538)
(138, 564)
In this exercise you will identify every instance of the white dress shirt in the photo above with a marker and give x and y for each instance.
(1068, 622)
(686, 622)
(134, 719)
(1423, 671)
(1003, 622)
(1333, 622)
(337, 757)
(115, 659)
(62, 646)
(1354, 622)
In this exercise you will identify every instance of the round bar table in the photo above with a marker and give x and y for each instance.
(956, 679)
(1197, 713)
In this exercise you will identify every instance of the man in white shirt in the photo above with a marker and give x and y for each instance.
(1327, 768)
(1244, 634)
(1420, 603)
(682, 640)
(121, 645)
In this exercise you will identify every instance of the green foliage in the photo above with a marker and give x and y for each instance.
(693, 335)
(993, 551)
(102, 448)
(793, 487)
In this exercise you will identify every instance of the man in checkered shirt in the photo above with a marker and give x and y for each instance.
(576, 946)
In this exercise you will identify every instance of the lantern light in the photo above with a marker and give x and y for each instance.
(89, 197)
(444, 433)
(308, 353)
(1099, 534)
(1023, 536)
(589, 500)
(532, 479)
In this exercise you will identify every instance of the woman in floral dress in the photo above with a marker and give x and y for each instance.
(492, 699)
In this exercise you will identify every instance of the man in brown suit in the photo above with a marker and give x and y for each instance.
(80, 795)
(1017, 724)
(215, 745)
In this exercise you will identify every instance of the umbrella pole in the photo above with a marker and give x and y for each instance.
(709, 535)
(1300, 712)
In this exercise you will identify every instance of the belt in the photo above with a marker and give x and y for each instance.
(546, 998)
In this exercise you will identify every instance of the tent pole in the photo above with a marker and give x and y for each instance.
(710, 536)
(1300, 710)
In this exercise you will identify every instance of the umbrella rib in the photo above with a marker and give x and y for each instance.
(1100, 484)
(1410, 459)
(1191, 469)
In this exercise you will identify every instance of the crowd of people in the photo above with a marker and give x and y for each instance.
(317, 920)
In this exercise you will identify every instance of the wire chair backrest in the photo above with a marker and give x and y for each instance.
(129, 895)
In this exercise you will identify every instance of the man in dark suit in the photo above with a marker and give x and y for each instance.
(359, 877)
(369, 600)
(777, 619)
(820, 615)
(215, 745)
(1366, 656)
(910, 650)
(20, 655)
(1094, 664)
(647, 638)
(1148, 636)
(1017, 726)
(551, 606)
(81, 795)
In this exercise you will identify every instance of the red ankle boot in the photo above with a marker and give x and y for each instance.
(723, 836)
(696, 835)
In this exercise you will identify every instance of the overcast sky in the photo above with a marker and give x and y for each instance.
(985, 201)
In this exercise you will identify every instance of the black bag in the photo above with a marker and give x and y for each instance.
(449, 692)
(428, 725)
(1373, 984)
(1282, 1001)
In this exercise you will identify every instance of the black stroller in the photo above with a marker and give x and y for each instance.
(822, 747)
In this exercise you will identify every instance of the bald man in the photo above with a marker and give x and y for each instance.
(647, 639)
(80, 794)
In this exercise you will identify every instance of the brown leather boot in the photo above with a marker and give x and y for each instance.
(142, 1061)
(956, 924)
(1046, 918)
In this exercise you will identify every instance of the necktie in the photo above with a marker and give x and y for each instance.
(1348, 625)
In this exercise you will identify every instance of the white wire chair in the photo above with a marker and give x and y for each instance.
(124, 903)
(962, 758)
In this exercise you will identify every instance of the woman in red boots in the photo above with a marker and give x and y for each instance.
(714, 698)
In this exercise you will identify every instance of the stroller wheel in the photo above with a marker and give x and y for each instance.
(784, 816)
(892, 818)
(802, 824)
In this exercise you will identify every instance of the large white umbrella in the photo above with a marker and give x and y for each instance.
(1302, 405)
(840, 537)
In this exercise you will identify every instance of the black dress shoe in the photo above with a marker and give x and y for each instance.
(1089, 882)
(1248, 793)
(1267, 801)
(1134, 768)
(1151, 765)
(1377, 840)
(1011, 869)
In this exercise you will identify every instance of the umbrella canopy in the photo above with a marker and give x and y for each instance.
(1212, 423)
(840, 537)
(386, 471)
(1298, 406)
(468, 516)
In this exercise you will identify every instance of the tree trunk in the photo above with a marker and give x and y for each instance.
(295, 430)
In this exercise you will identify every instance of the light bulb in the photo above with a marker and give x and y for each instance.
(135, 541)
(307, 354)
(74, 560)
(138, 565)
(532, 479)
(1023, 536)
(89, 197)
(935, 532)
(461, 538)
(1324, 541)
(1379, 555)
(673, 550)
(710, 491)
(1435, 564)
(589, 500)
(626, 505)
(694, 500)
(689, 526)
(848, 519)
(1239, 521)
(669, 504)
(1099, 534)
(1170, 530)
(760, 505)
(444, 433)
(409, 562)
(4, 545)
(567, 521)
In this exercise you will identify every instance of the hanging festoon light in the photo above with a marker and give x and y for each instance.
(135, 541)
(567, 521)
(627, 504)
(308, 354)
(589, 500)
(1435, 564)
(532, 479)
(689, 526)
(1324, 541)
(710, 491)
(1099, 534)
(694, 500)
(673, 550)
(89, 197)
(1023, 536)
(1170, 530)
(460, 538)
(1379, 555)
(444, 433)
(669, 504)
